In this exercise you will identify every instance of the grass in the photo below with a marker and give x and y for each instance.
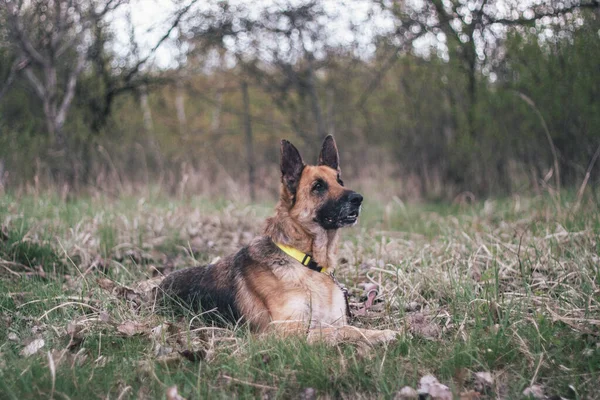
(508, 287)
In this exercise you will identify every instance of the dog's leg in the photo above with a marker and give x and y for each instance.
(347, 333)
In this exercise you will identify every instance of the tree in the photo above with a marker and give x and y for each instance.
(472, 28)
(282, 50)
(52, 38)
(132, 77)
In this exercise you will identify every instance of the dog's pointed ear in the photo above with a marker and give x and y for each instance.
(329, 154)
(291, 166)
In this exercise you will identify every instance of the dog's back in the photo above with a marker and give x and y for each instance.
(259, 284)
(210, 289)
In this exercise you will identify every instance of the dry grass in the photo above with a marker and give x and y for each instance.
(506, 288)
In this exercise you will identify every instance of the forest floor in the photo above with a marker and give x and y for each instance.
(494, 300)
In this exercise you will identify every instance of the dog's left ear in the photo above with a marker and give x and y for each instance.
(291, 166)
(329, 154)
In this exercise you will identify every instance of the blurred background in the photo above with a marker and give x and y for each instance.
(427, 99)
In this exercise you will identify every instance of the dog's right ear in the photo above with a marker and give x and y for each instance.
(291, 166)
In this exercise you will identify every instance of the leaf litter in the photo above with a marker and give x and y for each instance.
(403, 285)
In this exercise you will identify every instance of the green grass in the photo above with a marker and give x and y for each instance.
(508, 287)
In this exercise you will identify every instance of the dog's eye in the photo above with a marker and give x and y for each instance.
(319, 186)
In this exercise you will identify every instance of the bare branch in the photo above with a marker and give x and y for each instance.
(178, 17)
(554, 13)
(17, 66)
(19, 32)
(35, 82)
(110, 5)
(70, 89)
(391, 60)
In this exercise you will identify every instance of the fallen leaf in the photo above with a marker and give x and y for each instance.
(308, 394)
(483, 382)
(159, 331)
(106, 284)
(437, 391)
(534, 390)
(149, 284)
(131, 328)
(128, 294)
(420, 325)
(406, 393)
(73, 328)
(104, 316)
(172, 394)
(13, 336)
(32, 347)
(160, 350)
(425, 383)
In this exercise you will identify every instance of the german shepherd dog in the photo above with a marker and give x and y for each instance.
(281, 281)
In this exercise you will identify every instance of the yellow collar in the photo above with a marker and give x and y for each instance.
(302, 258)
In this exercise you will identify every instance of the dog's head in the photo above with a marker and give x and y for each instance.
(315, 194)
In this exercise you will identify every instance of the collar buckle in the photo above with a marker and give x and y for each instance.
(302, 258)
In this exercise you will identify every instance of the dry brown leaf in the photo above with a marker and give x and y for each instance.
(148, 284)
(425, 383)
(483, 381)
(534, 390)
(73, 328)
(406, 393)
(159, 331)
(160, 350)
(131, 328)
(420, 325)
(127, 293)
(429, 384)
(104, 316)
(32, 347)
(437, 391)
(308, 394)
(106, 284)
(172, 394)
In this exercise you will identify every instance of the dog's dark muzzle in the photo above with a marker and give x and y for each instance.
(340, 212)
(351, 210)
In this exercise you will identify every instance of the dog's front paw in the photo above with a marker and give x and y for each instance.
(384, 336)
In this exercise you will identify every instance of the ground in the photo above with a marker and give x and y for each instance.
(492, 299)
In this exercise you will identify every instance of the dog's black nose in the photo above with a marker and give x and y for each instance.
(355, 198)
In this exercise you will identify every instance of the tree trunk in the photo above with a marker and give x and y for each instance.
(316, 107)
(1, 174)
(330, 111)
(180, 106)
(147, 113)
(249, 141)
(215, 122)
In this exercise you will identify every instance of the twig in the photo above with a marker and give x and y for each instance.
(537, 370)
(530, 102)
(587, 177)
(52, 367)
(67, 304)
(256, 385)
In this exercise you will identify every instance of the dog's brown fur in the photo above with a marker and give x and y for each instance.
(267, 288)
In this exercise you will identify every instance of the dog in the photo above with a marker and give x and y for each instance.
(282, 281)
